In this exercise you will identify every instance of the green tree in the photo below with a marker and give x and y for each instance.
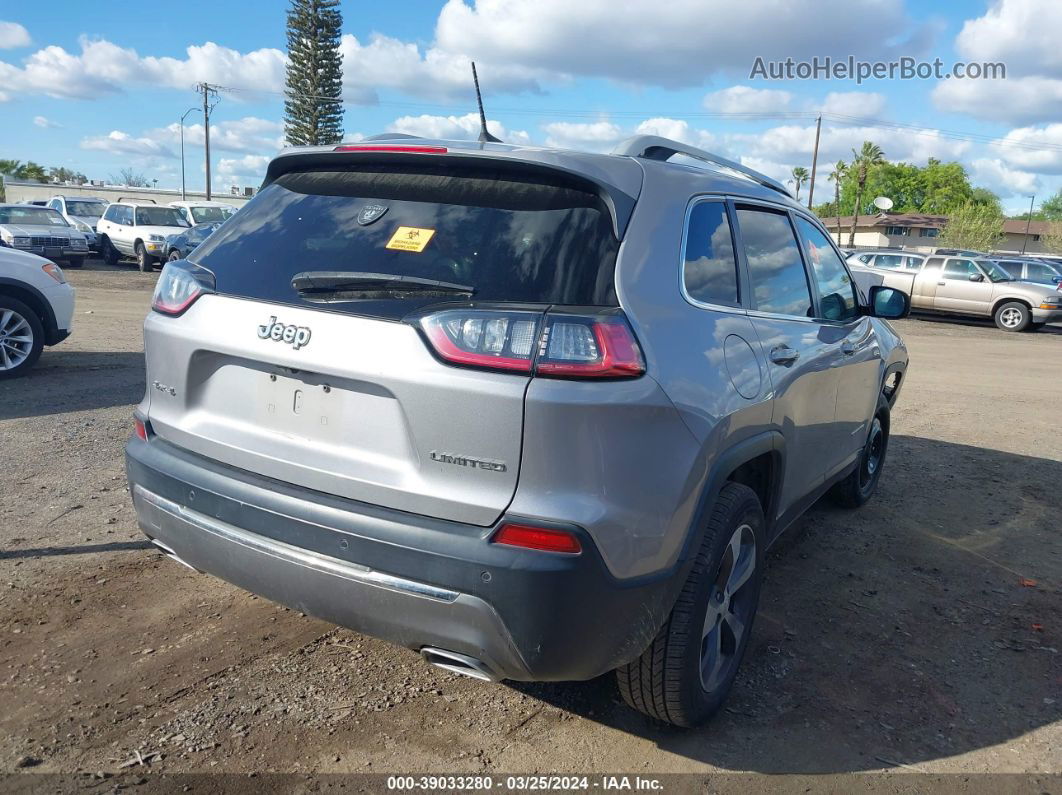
(1052, 237)
(129, 178)
(867, 158)
(837, 176)
(313, 108)
(31, 172)
(1051, 209)
(9, 167)
(800, 176)
(974, 226)
(63, 174)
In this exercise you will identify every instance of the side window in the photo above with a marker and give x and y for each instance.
(55, 205)
(960, 269)
(1012, 268)
(776, 270)
(709, 272)
(913, 263)
(864, 258)
(108, 214)
(1036, 271)
(892, 261)
(837, 298)
(127, 216)
(933, 263)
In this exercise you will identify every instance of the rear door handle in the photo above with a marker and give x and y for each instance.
(940, 284)
(783, 354)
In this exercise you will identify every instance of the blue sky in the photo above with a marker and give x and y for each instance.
(97, 88)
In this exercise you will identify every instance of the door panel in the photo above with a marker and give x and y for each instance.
(924, 289)
(955, 291)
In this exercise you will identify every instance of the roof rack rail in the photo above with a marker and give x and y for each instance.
(135, 199)
(654, 147)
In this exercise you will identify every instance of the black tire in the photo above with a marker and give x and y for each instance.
(11, 310)
(109, 252)
(666, 682)
(861, 483)
(1012, 316)
(174, 255)
(75, 262)
(144, 261)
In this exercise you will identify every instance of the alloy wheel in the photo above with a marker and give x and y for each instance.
(1010, 317)
(16, 339)
(731, 604)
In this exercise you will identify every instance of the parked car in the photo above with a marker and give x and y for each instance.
(137, 228)
(959, 252)
(971, 286)
(181, 245)
(204, 212)
(82, 213)
(420, 389)
(36, 309)
(41, 231)
(1030, 269)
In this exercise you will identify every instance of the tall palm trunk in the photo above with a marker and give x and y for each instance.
(837, 206)
(855, 211)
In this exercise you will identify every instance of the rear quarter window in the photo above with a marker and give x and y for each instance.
(709, 269)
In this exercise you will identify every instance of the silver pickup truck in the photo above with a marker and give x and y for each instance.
(974, 286)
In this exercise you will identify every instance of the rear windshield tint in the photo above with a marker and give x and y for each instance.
(511, 239)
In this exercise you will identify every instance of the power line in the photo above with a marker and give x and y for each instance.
(780, 115)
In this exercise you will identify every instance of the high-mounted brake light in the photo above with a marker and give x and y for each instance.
(555, 345)
(419, 150)
(541, 538)
(179, 286)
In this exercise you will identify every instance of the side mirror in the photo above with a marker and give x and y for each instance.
(977, 277)
(889, 303)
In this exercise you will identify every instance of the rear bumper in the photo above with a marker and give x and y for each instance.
(413, 580)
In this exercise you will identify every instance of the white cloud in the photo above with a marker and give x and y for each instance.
(677, 130)
(597, 136)
(117, 142)
(1021, 33)
(1002, 180)
(1017, 100)
(458, 128)
(854, 103)
(1036, 148)
(248, 170)
(744, 99)
(13, 35)
(41, 121)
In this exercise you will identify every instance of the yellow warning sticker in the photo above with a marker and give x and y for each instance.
(410, 238)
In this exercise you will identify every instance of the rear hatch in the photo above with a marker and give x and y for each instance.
(307, 363)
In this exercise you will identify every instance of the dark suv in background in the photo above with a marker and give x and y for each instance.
(535, 414)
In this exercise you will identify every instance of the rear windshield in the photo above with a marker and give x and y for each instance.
(159, 216)
(522, 240)
(210, 215)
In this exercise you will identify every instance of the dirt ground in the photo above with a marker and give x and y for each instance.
(922, 632)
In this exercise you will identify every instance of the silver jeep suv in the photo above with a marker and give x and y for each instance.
(535, 414)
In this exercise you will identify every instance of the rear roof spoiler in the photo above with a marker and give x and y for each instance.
(654, 147)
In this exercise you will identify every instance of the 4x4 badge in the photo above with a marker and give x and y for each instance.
(370, 213)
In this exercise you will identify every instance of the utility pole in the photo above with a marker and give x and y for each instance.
(207, 90)
(1028, 223)
(815, 163)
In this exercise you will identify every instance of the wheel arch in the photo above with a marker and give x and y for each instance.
(35, 300)
(1010, 300)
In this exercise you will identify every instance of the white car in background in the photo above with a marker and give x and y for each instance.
(138, 228)
(82, 213)
(203, 212)
(36, 309)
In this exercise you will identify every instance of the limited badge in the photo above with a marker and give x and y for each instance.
(370, 213)
(410, 238)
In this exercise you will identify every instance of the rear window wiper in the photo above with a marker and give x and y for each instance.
(349, 285)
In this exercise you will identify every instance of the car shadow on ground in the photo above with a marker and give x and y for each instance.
(84, 549)
(925, 625)
(101, 379)
(1054, 329)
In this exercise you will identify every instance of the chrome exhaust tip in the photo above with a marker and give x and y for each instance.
(459, 664)
(165, 550)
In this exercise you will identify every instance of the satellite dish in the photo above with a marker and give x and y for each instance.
(883, 203)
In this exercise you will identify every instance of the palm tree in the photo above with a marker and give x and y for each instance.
(800, 176)
(840, 171)
(9, 167)
(862, 161)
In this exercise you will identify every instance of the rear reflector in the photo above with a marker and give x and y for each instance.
(140, 429)
(556, 345)
(420, 150)
(518, 535)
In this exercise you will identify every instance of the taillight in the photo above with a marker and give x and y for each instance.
(180, 284)
(420, 150)
(553, 344)
(541, 538)
(140, 429)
